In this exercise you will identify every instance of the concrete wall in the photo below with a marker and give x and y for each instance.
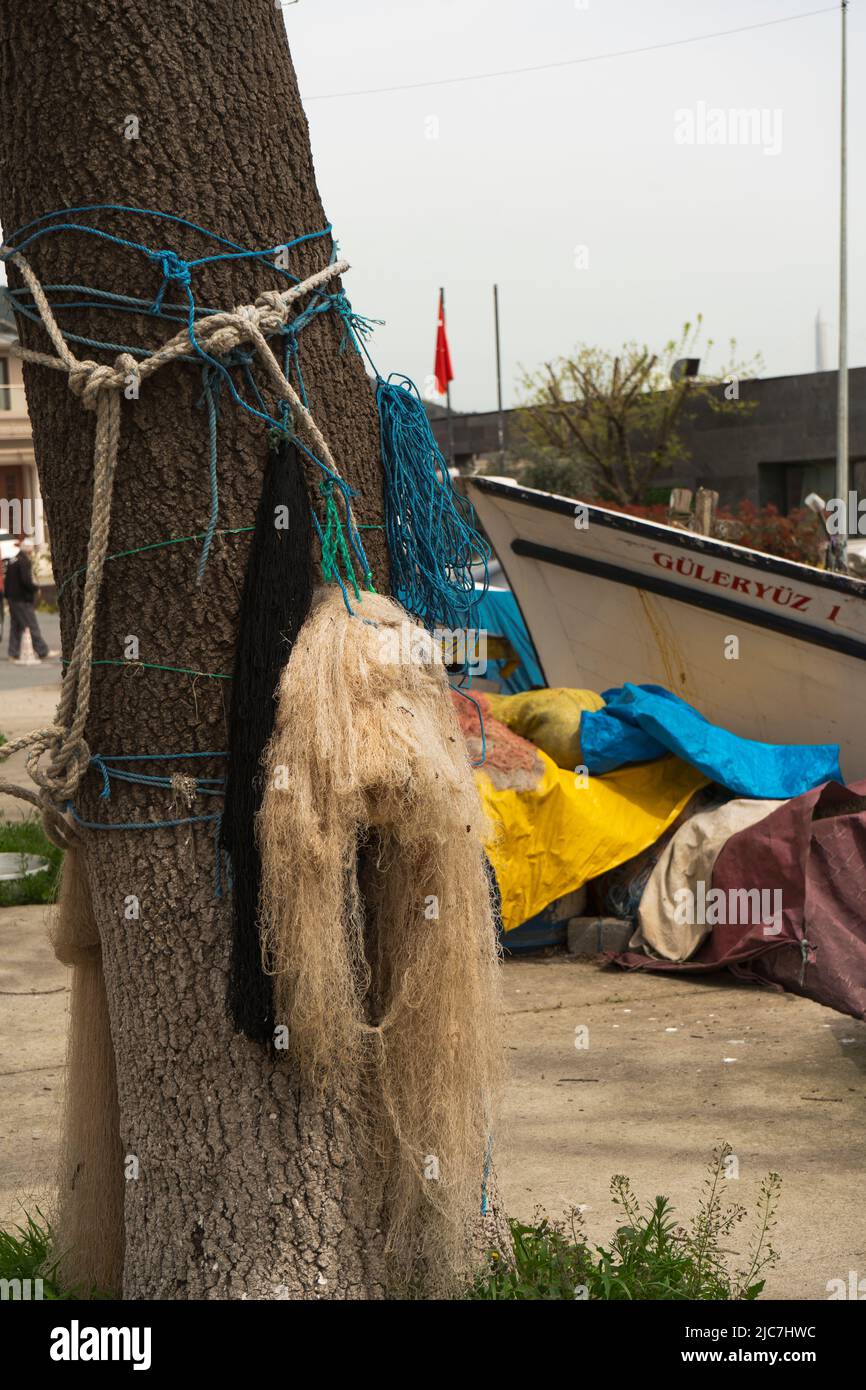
(785, 447)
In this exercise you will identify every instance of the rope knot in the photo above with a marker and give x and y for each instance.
(70, 759)
(126, 365)
(183, 789)
(87, 379)
(172, 266)
(273, 300)
(174, 270)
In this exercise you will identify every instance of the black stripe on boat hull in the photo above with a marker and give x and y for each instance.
(714, 603)
(668, 535)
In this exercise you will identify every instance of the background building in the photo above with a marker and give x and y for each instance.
(778, 452)
(20, 498)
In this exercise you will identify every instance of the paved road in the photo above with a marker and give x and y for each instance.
(14, 677)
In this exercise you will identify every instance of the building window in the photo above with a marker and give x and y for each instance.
(5, 392)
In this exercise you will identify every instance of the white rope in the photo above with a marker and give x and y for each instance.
(98, 386)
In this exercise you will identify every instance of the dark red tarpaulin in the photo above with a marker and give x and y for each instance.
(812, 849)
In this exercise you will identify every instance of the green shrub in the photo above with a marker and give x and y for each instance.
(25, 1253)
(30, 1252)
(650, 1256)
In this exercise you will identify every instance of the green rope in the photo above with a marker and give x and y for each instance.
(180, 540)
(334, 545)
(155, 666)
(154, 545)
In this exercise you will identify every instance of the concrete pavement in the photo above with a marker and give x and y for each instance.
(28, 699)
(14, 677)
(649, 1097)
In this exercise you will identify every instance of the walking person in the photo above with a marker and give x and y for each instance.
(21, 597)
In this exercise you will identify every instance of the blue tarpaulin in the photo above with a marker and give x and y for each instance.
(497, 613)
(640, 722)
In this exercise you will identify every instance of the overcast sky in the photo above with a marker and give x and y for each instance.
(585, 190)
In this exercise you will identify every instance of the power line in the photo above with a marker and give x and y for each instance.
(569, 62)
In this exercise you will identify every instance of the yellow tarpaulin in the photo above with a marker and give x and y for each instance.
(549, 718)
(552, 838)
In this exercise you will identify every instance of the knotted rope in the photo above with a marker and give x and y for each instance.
(98, 387)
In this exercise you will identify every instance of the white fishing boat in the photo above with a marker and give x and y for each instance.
(769, 648)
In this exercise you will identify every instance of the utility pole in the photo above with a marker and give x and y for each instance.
(501, 423)
(447, 391)
(820, 344)
(842, 450)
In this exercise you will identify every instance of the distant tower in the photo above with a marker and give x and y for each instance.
(820, 343)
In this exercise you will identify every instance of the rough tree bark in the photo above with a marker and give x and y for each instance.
(245, 1186)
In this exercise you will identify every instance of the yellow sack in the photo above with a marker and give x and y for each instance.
(551, 838)
(548, 718)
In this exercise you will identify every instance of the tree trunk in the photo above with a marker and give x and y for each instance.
(244, 1186)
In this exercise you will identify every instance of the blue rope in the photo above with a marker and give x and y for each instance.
(238, 252)
(216, 787)
(140, 825)
(431, 537)
(174, 269)
(215, 820)
(105, 765)
(158, 757)
(430, 530)
(458, 690)
(220, 855)
(19, 298)
(176, 272)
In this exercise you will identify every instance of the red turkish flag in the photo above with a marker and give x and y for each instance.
(443, 370)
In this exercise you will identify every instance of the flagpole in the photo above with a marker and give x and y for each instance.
(842, 448)
(447, 391)
(501, 423)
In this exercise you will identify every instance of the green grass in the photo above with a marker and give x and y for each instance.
(28, 837)
(26, 1253)
(29, 1252)
(650, 1257)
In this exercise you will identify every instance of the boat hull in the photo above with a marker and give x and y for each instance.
(770, 649)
